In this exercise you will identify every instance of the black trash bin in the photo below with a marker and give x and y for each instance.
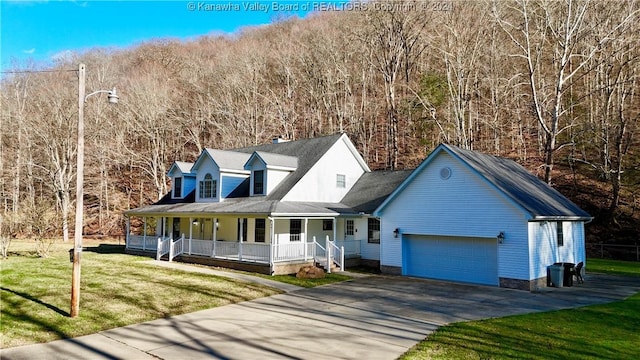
(567, 279)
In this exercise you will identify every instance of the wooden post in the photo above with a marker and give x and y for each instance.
(77, 243)
(128, 229)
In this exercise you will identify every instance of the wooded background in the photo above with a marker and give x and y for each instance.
(553, 85)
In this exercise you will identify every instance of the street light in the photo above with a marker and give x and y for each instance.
(112, 97)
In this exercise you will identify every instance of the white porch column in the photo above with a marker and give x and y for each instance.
(128, 228)
(335, 229)
(214, 231)
(306, 232)
(241, 238)
(144, 234)
(272, 225)
(164, 227)
(328, 253)
(190, 234)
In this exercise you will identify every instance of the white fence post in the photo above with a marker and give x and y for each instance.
(342, 258)
(170, 249)
(159, 249)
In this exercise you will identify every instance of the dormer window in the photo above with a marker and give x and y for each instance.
(177, 187)
(208, 187)
(258, 182)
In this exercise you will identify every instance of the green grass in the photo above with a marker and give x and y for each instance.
(116, 290)
(308, 283)
(617, 267)
(609, 331)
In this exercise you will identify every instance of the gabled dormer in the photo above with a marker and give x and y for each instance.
(183, 181)
(268, 170)
(218, 174)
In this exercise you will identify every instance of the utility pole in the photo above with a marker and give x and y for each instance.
(77, 243)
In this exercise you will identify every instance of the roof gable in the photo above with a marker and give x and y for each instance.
(226, 161)
(182, 166)
(307, 151)
(524, 189)
(273, 161)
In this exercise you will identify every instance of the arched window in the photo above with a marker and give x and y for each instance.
(208, 187)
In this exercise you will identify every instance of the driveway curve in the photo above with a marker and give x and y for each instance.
(376, 317)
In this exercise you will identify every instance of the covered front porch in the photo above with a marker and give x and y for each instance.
(276, 243)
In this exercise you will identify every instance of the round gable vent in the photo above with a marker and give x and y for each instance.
(445, 173)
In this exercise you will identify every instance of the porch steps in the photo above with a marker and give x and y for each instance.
(322, 264)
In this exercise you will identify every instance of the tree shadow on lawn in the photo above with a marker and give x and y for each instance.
(106, 249)
(36, 300)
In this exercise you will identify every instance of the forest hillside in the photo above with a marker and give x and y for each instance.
(554, 85)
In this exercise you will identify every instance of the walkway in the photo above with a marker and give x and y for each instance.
(375, 317)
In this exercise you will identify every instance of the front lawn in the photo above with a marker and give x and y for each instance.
(116, 290)
(609, 331)
(616, 267)
(308, 283)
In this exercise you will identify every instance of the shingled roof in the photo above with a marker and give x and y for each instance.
(308, 152)
(533, 195)
(373, 188)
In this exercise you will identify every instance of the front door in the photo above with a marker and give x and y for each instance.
(176, 228)
(349, 230)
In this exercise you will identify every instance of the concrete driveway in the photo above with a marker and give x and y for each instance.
(377, 317)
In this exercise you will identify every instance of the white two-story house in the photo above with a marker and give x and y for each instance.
(269, 208)
(460, 216)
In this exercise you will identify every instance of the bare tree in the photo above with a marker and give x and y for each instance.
(556, 42)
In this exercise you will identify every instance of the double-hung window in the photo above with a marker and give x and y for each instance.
(208, 187)
(295, 228)
(258, 182)
(177, 187)
(260, 228)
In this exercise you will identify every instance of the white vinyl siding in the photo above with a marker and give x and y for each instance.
(544, 245)
(319, 184)
(464, 205)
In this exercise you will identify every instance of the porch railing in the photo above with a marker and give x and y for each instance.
(252, 252)
(291, 251)
(176, 248)
(351, 247)
(142, 242)
(336, 254)
(164, 247)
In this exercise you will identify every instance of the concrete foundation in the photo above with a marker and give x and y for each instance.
(391, 270)
(528, 285)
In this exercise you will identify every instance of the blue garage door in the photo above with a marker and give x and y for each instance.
(473, 260)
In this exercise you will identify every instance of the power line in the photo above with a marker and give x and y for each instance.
(34, 71)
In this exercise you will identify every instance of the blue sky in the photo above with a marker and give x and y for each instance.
(44, 30)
